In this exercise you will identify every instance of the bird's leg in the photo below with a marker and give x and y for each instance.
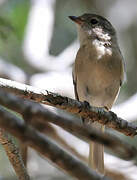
(84, 120)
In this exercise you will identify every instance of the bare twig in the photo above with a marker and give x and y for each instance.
(51, 132)
(35, 113)
(13, 155)
(46, 147)
(24, 151)
(76, 107)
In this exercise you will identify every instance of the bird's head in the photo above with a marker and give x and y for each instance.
(93, 27)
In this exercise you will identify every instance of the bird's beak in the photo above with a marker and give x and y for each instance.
(77, 20)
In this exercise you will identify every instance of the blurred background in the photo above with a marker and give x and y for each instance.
(38, 44)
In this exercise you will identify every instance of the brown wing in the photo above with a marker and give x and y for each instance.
(123, 71)
(75, 86)
(123, 74)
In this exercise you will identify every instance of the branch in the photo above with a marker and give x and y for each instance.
(109, 119)
(46, 147)
(24, 153)
(13, 155)
(50, 131)
(21, 106)
(35, 113)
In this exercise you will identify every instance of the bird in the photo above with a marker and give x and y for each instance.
(98, 72)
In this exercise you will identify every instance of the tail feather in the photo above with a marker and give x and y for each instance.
(96, 153)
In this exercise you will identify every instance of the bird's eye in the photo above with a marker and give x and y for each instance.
(93, 21)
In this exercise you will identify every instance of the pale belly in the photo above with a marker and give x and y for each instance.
(98, 84)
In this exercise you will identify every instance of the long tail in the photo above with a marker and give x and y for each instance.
(96, 153)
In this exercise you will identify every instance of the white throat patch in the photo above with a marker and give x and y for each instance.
(101, 49)
(101, 35)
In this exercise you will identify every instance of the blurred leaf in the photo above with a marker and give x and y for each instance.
(16, 12)
(19, 16)
(5, 28)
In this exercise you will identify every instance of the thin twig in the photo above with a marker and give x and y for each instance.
(24, 153)
(47, 147)
(13, 155)
(35, 113)
(108, 119)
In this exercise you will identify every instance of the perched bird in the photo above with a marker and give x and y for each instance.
(98, 71)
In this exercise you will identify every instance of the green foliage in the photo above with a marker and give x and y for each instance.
(17, 13)
(13, 21)
(5, 28)
(18, 16)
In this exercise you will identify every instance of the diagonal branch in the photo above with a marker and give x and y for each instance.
(35, 113)
(46, 147)
(13, 155)
(109, 119)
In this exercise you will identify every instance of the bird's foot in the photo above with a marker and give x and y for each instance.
(86, 104)
(105, 108)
